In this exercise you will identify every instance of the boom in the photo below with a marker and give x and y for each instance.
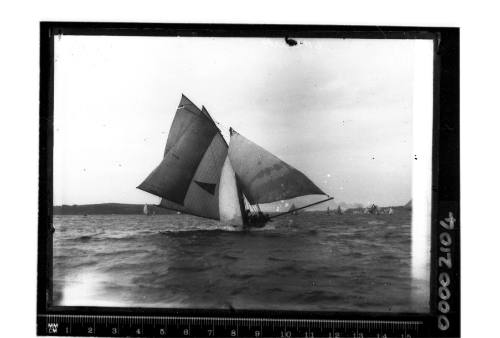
(307, 206)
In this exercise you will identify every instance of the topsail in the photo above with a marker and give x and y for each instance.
(264, 178)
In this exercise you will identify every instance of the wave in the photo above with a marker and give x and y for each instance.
(242, 276)
(120, 252)
(190, 268)
(275, 289)
(376, 222)
(289, 268)
(83, 238)
(267, 227)
(389, 256)
(239, 290)
(102, 236)
(319, 296)
(231, 257)
(82, 264)
(188, 232)
(130, 266)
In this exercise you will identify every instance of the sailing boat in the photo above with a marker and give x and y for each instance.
(292, 209)
(147, 210)
(202, 175)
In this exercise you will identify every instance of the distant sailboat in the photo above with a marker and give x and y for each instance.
(202, 175)
(146, 211)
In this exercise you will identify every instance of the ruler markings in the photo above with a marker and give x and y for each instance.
(185, 319)
(222, 326)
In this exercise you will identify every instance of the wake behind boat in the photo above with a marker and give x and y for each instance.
(202, 175)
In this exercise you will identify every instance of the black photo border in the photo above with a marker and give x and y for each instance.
(443, 320)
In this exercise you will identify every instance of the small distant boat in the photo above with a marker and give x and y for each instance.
(339, 211)
(201, 175)
(293, 210)
(147, 210)
(328, 210)
(385, 211)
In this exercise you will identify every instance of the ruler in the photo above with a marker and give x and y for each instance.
(174, 326)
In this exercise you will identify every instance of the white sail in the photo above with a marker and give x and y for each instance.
(229, 201)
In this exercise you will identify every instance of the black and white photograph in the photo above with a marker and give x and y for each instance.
(246, 173)
(249, 169)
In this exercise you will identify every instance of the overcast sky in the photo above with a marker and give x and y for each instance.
(339, 110)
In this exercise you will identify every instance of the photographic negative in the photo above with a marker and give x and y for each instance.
(237, 169)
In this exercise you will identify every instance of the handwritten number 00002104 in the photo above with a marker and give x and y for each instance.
(445, 261)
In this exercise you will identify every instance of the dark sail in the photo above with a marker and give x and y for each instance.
(264, 178)
(202, 196)
(185, 112)
(189, 177)
(195, 151)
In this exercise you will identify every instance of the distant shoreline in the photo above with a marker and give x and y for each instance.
(137, 209)
(108, 209)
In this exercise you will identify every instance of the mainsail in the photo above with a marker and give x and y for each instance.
(189, 177)
(265, 178)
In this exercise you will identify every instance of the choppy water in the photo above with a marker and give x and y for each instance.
(312, 261)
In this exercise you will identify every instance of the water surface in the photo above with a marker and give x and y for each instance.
(311, 261)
